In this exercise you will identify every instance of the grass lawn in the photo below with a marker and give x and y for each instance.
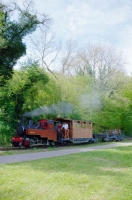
(98, 175)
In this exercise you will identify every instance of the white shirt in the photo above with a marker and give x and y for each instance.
(65, 126)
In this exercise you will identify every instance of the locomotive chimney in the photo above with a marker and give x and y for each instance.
(30, 123)
(23, 120)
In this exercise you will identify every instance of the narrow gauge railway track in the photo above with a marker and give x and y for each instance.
(21, 148)
(37, 147)
(11, 148)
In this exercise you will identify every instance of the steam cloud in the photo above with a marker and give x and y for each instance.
(87, 101)
(63, 108)
(91, 101)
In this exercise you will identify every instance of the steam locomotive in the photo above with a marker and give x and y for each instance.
(46, 132)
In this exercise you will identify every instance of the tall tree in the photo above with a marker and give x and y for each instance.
(12, 33)
(21, 92)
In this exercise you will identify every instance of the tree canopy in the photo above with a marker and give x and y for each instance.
(12, 33)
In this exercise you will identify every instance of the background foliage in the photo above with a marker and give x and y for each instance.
(90, 81)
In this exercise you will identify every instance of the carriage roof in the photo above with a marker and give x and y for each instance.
(71, 120)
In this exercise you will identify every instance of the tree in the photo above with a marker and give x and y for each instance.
(20, 94)
(24, 85)
(68, 58)
(12, 34)
(45, 49)
(126, 92)
(99, 60)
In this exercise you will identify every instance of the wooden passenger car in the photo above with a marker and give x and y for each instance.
(79, 131)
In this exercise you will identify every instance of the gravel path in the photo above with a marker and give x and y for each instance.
(61, 152)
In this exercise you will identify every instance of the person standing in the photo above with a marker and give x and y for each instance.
(65, 129)
(59, 133)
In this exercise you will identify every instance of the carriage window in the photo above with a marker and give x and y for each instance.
(89, 125)
(84, 125)
(74, 124)
(78, 125)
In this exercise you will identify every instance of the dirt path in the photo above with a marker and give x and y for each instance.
(61, 152)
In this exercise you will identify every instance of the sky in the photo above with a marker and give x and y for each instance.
(105, 22)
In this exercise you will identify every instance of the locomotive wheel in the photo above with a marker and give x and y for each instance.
(15, 144)
(20, 144)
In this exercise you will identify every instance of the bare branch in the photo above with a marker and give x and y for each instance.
(46, 49)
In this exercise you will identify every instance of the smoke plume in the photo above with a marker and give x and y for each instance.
(91, 101)
(63, 108)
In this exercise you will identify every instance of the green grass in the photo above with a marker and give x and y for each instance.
(98, 175)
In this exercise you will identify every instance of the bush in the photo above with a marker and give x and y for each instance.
(6, 133)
